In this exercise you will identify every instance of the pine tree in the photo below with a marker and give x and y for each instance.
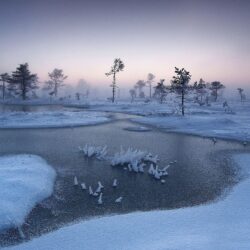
(180, 85)
(22, 81)
(117, 67)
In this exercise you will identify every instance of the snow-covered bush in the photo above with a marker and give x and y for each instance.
(134, 159)
(129, 156)
(94, 151)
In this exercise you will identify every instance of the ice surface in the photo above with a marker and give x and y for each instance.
(222, 225)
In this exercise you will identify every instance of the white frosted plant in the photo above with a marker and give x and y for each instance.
(130, 156)
(94, 151)
(134, 159)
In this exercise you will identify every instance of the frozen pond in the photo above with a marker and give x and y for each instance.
(203, 171)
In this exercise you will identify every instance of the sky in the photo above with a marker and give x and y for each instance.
(211, 39)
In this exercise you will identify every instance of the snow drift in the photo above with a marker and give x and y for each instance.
(25, 180)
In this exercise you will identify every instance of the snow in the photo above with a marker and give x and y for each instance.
(222, 225)
(94, 151)
(25, 180)
(226, 127)
(50, 119)
(129, 156)
(208, 121)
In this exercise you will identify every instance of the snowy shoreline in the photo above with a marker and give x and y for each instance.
(51, 119)
(209, 121)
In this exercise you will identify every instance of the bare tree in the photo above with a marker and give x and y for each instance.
(4, 79)
(56, 81)
(118, 66)
(150, 80)
(180, 85)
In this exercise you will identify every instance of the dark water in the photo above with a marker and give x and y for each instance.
(29, 108)
(203, 172)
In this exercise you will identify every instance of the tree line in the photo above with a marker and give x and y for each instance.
(23, 83)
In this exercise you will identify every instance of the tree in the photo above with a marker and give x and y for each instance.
(179, 85)
(132, 93)
(242, 95)
(82, 88)
(150, 79)
(118, 66)
(161, 91)
(140, 85)
(215, 87)
(22, 81)
(4, 79)
(56, 81)
(78, 96)
(201, 90)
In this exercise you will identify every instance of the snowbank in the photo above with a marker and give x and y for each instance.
(223, 126)
(223, 225)
(24, 181)
(50, 119)
(209, 121)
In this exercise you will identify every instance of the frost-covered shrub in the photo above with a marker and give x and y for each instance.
(134, 159)
(94, 151)
(129, 156)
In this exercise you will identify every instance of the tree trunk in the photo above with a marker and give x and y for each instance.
(23, 90)
(55, 90)
(113, 90)
(3, 90)
(216, 94)
(182, 102)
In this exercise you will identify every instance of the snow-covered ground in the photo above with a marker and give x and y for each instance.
(209, 121)
(50, 119)
(24, 181)
(219, 126)
(222, 225)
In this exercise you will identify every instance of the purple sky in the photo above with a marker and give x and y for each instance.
(211, 39)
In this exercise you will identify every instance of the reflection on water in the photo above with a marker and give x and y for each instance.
(202, 173)
(30, 108)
